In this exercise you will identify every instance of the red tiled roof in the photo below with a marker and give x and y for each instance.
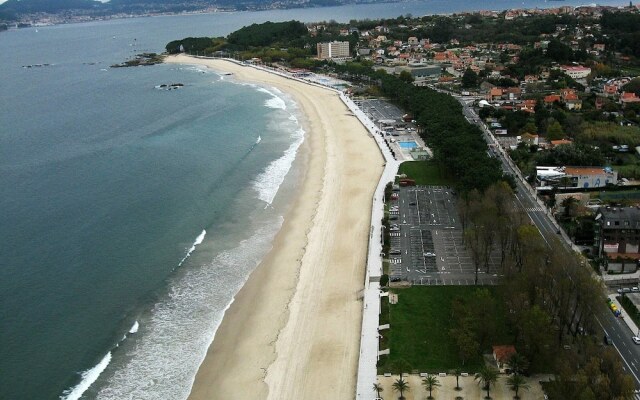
(504, 353)
(551, 98)
(584, 170)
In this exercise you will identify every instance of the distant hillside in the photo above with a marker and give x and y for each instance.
(13, 9)
(48, 6)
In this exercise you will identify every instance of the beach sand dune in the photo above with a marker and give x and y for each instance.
(293, 331)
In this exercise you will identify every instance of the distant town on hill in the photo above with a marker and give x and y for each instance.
(61, 11)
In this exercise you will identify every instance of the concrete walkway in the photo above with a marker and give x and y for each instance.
(371, 309)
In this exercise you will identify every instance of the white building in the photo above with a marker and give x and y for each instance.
(575, 177)
(327, 51)
(576, 72)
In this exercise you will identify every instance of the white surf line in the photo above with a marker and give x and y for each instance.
(198, 240)
(88, 378)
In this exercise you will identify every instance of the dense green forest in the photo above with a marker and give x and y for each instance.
(472, 28)
(285, 40)
(267, 33)
(622, 31)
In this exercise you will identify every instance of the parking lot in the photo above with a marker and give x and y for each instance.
(426, 238)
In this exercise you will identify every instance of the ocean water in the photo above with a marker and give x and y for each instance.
(128, 212)
(132, 215)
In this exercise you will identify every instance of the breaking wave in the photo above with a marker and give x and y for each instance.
(198, 240)
(180, 328)
(88, 377)
(269, 181)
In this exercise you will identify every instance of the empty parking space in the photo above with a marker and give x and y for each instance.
(427, 242)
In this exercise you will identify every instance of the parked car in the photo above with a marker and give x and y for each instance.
(635, 339)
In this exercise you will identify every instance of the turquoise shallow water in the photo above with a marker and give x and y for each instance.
(109, 183)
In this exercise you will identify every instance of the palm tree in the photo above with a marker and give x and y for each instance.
(400, 385)
(487, 377)
(399, 366)
(518, 363)
(430, 383)
(458, 372)
(378, 388)
(517, 382)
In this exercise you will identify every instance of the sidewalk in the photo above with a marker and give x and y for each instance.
(616, 277)
(625, 317)
(367, 372)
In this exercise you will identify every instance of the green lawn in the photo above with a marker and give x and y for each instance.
(420, 325)
(619, 195)
(424, 173)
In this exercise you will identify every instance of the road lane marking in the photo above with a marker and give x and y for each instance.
(621, 356)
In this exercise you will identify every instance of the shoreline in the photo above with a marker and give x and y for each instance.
(293, 330)
(116, 17)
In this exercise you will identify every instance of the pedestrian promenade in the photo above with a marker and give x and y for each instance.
(367, 373)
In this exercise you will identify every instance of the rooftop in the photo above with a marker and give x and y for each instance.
(620, 214)
(585, 170)
(504, 352)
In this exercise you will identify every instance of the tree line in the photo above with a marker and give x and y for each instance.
(458, 145)
(551, 296)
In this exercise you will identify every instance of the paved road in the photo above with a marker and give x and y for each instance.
(614, 327)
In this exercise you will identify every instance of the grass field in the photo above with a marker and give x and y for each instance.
(420, 325)
(424, 173)
(619, 195)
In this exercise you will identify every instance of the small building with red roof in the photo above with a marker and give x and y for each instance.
(502, 354)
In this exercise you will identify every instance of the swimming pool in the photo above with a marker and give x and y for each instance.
(408, 145)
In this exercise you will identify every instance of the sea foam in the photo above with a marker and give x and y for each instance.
(275, 101)
(269, 181)
(164, 360)
(88, 378)
(134, 328)
(198, 240)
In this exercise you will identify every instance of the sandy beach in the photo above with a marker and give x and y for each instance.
(293, 331)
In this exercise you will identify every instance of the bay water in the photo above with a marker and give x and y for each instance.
(130, 215)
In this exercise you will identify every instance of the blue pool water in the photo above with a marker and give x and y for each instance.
(408, 145)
